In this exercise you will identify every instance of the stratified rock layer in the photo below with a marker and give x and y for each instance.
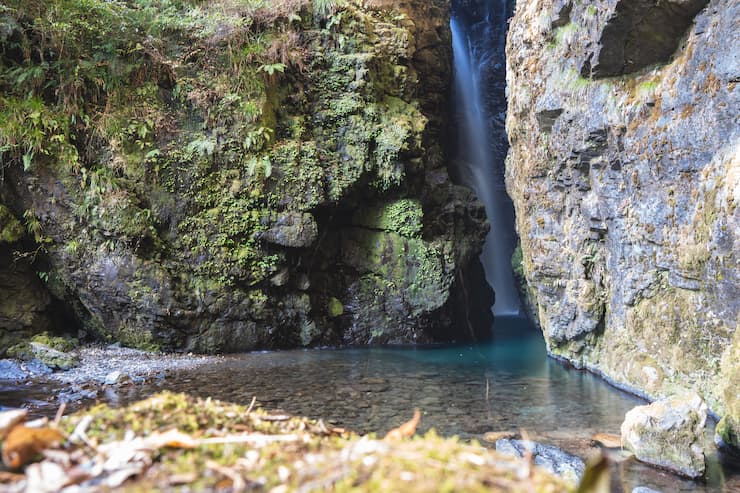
(627, 187)
(209, 176)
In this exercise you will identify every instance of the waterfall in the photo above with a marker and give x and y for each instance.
(479, 65)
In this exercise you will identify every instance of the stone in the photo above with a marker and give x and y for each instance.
(11, 370)
(639, 33)
(54, 358)
(669, 433)
(569, 467)
(115, 377)
(728, 428)
(627, 201)
(291, 229)
(11, 229)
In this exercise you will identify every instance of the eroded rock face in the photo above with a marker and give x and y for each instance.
(669, 433)
(626, 191)
(635, 34)
(213, 202)
(24, 300)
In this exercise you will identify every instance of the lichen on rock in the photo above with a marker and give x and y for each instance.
(624, 178)
(669, 433)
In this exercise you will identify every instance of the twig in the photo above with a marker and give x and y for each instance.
(255, 438)
(238, 483)
(60, 413)
(251, 404)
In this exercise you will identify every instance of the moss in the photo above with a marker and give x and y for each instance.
(54, 352)
(517, 263)
(404, 217)
(58, 343)
(11, 229)
(136, 337)
(338, 459)
(335, 308)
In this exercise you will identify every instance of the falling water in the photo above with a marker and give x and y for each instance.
(478, 50)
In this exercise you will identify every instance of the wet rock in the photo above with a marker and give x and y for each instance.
(669, 433)
(207, 261)
(549, 457)
(18, 371)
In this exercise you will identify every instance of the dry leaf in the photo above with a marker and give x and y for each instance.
(171, 438)
(46, 477)
(608, 440)
(494, 436)
(9, 419)
(405, 430)
(23, 444)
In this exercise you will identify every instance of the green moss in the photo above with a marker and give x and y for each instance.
(335, 308)
(404, 217)
(136, 337)
(564, 34)
(58, 343)
(517, 262)
(11, 229)
(341, 459)
(51, 351)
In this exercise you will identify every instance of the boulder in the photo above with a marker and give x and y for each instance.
(669, 433)
(549, 457)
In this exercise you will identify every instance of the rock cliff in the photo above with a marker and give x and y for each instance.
(236, 175)
(625, 173)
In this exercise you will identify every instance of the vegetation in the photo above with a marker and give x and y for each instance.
(177, 131)
(176, 441)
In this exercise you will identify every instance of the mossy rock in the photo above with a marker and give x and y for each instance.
(11, 229)
(48, 354)
(282, 445)
(404, 217)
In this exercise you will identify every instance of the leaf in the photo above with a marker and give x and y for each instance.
(23, 444)
(171, 438)
(27, 160)
(608, 440)
(268, 167)
(406, 430)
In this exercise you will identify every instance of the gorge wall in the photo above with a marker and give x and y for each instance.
(231, 175)
(625, 174)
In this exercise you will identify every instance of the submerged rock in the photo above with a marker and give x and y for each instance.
(549, 457)
(669, 433)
